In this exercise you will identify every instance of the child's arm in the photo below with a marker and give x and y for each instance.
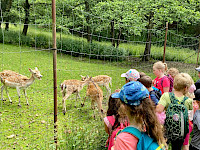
(160, 108)
(165, 89)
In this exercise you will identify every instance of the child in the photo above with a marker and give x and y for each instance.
(161, 82)
(115, 119)
(197, 84)
(141, 114)
(189, 94)
(182, 82)
(195, 142)
(172, 72)
(131, 75)
(147, 82)
(142, 74)
(153, 95)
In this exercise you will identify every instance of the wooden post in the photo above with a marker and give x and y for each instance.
(54, 68)
(198, 54)
(165, 42)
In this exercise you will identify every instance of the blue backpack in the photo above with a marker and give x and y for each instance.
(145, 142)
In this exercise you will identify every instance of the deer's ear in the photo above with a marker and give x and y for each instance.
(30, 70)
(36, 68)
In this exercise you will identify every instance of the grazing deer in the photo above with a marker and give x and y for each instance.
(15, 80)
(69, 87)
(95, 93)
(101, 80)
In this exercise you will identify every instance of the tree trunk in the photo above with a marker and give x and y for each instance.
(87, 8)
(119, 36)
(7, 24)
(7, 19)
(112, 33)
(147, 51)
(26, 21)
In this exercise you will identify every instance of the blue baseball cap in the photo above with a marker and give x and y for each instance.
(132, 93)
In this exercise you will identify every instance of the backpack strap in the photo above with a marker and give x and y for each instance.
(174, 100)
(132, 130)
(163, 80)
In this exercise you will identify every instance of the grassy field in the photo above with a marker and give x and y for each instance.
(32, 127)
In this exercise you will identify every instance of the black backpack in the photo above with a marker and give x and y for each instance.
(157, 93)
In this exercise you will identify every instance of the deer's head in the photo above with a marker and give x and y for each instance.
(36, 73)
(83, 78)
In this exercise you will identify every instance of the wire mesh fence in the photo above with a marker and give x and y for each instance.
(87, 44)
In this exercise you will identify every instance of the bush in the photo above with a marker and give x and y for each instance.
(80, 46)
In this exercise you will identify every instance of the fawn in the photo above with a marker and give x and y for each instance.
(69, 87)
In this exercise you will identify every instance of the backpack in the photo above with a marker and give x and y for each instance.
(110, 141)
(157, 93)
(176, 122)
(171, 82)
(145, 142)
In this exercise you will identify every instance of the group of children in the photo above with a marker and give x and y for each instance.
(141, 105)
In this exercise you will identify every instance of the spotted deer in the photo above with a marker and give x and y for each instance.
(69, 87)
(15, 80)
(95, 93)
(101, 80)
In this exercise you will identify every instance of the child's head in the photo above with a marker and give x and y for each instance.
(173, 72)
(140, 109)
(114, 105)
(198, 69)
(131, 75)
(159, 68)
(182, 82)
(146, 81)
(142, 74)
(197, 96)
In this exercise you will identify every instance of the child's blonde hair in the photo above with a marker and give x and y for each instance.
(160, 65)
(173, 72)
(182, 80)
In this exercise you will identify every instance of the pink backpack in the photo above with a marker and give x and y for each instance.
(114, 132)
(171, 82)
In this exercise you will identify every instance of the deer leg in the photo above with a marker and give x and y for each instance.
(100, 109)
(79, 96)
(2, 87)
(18, 92)
(26, 96)
(63, 102)
(82, 104)
(92, 104)
(8, 94)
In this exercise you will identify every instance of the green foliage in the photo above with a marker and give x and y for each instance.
(79, 46)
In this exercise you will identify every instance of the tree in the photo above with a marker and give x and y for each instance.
(119, 17)
(157, 13)
(26, 20)
(5, 9)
